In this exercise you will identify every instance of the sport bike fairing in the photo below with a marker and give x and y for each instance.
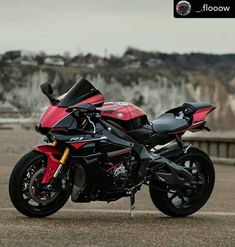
(82, 92)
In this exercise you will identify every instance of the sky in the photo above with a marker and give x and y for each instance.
(57, 26)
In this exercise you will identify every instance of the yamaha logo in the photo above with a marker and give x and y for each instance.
(183, 8)
(120, 115)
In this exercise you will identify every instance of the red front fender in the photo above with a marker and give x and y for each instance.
(53, 155)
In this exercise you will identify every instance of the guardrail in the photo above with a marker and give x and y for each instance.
(220, 149)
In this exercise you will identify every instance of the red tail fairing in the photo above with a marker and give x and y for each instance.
(198, 119)
(200, 115)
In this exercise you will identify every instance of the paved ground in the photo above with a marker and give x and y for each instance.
(101, 224)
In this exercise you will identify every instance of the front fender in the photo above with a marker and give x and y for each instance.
(47, 149)
(53, 155)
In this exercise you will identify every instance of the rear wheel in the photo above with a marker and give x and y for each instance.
(26, 192)
(179, 203)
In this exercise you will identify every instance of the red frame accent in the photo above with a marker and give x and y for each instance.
(52, 162)
(118, 152)
(78, 144)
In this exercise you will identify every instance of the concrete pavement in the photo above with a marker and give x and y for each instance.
(102, 224)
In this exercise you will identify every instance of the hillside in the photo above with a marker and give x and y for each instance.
(153, 81)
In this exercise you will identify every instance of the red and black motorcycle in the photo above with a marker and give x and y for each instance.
(106, 151)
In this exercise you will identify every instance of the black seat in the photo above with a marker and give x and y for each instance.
(167, 123)
(198, 105)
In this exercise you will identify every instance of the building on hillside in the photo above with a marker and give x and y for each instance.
(130, 60)
(56, 60)
(75, 61)
(133, 65)
(19, 56)
(102, 62)
(87, 61)
(153, 62)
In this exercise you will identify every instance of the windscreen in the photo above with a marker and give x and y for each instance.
(82, 90)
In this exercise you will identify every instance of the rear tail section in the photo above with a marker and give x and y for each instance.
(195, 113)
(198, 118)
(200, 114)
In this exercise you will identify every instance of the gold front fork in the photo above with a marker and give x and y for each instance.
(64, 156)
(54, 143)
(62, 161)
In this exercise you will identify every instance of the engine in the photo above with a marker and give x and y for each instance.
(116, 178)
(124, 172)
(120, 175)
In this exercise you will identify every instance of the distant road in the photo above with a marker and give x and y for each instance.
(16, 120)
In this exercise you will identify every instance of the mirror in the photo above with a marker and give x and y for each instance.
(48, 91)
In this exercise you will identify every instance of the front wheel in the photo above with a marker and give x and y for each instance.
(26, 192)
(179, 203)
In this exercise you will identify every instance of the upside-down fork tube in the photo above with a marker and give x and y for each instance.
(62, 162)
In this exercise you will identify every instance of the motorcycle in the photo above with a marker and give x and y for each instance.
(104, 151)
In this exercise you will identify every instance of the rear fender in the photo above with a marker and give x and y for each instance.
(53, 155)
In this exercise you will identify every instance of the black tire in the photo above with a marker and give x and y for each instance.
(164, 202)
(17, 194)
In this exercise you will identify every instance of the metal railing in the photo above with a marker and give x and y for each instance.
(220, 149)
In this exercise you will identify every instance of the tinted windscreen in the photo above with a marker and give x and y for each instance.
(82, 90)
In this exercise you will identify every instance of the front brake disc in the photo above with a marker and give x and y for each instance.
(36, 193)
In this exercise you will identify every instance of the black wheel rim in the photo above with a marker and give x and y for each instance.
(33, 196)
(189, 198)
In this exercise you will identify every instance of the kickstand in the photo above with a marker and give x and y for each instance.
(132, 205)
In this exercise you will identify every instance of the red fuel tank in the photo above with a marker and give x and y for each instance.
(124, 114)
